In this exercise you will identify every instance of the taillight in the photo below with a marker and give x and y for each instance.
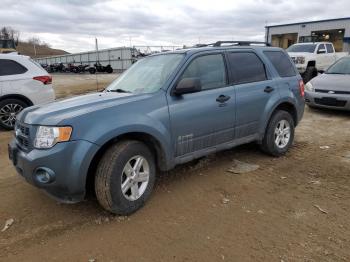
(46, 80)
(302, 88)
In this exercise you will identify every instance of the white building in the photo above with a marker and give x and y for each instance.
(336, 31)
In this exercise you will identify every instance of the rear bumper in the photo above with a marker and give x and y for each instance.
(68, 163)
(330, 101)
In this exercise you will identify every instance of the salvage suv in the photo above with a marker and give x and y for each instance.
(167, 109)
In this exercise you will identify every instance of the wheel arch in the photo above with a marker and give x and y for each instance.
(19, 97)
(149, 140)
(285, 105)
(311, 63)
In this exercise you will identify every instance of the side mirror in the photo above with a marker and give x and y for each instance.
(321, 51)
(188, 85)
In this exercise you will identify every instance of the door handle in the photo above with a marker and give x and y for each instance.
(268, 89)
(222, 98)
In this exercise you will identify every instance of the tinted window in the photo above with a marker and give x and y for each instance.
(210, 69)
(281, 62)
(320, 47)
(246, 68)
(10, 67)
(342, 66)
(329, 48)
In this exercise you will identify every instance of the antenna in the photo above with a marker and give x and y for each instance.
(98, 60)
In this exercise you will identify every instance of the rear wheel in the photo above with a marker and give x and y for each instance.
(92, 70)
(9, 109)
(279, 134)
(125, 177)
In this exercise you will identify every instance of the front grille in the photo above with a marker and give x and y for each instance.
(328, 101)
(333, 92)
(293, 59)
(22, 135)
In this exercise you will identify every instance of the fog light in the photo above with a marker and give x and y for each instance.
(44, 175)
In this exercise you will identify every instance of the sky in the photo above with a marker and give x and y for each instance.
(73, 25)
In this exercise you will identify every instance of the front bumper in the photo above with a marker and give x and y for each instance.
(68, 161)
(325, 100)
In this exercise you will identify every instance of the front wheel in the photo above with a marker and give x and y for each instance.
(125, 177)
(279, 134)
(9, 109)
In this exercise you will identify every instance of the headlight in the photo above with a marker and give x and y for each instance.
(309, 87)
(48, 136)
(300, 60)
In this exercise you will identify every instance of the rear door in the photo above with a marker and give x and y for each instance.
(204, 119)
(254, 89)
(323, 60)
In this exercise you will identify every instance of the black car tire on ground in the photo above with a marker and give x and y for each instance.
(92, 70)
(9, 102)
(109, 175)
(309, 73)
(268, 144)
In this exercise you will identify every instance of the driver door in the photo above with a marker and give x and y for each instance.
(202, 120)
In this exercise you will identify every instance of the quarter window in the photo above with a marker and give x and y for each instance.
(246, 67)
(10, 67)
(210, 69)
(281, 63)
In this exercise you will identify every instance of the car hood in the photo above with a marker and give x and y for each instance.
(54, 113)
(332, 82)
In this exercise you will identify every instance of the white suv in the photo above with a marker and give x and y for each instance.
(23, 83)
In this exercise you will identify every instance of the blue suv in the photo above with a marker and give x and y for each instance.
(167, 109)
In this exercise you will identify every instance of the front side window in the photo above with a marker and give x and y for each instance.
(10, 67)
(210, 69)
(320, 47)
(246, 68)
(147, 75)
(281, 63)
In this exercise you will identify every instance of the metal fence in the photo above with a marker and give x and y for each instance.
(120, 58)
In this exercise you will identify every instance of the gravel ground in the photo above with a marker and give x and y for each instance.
(293, 208)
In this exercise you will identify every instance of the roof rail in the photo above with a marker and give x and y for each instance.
(240, 43)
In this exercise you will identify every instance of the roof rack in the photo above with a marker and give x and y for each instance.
(240, 43)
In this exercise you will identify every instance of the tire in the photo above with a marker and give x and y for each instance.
(92, 70)
(111, 173)
(9, 109)
(269, 143)
(109, 69)
(309, 73)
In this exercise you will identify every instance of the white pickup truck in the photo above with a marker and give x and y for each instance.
(311, 58)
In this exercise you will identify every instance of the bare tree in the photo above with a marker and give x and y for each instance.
(7, 32)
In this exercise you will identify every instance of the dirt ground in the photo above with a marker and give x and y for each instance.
(293, 208)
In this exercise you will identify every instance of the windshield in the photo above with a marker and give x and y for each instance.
(7, 44)
(342, 66)
(304, 48)
(147, 75)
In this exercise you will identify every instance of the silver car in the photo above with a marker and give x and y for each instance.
(331, 89)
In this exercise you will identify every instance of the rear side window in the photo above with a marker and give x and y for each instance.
(246, 68)
(210, 69)
(10, 67)
(281, 62)
(329, 48)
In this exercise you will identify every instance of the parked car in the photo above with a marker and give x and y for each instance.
(23, 83)
(331, 89)
(311, 58)
(167, 109)
(100, 68)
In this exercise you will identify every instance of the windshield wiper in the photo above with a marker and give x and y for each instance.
(119, 90)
